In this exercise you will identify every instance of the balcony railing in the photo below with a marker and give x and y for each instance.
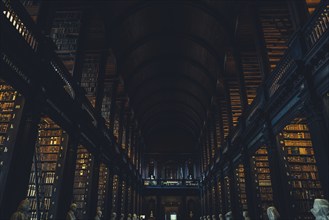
(171, 182)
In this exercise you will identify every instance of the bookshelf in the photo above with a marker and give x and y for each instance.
(235, 98)
(213, 197)
(123, 196)
(129, 202)
(241, 187)
(89, 76)
(11, 104)
(277, 28)
(65, 32)
(227, 191)
(48, 162)
(82, 181)
(115, 193)
(102, 186)
(32, 7)
(262, 180)
(220, 196)
(311, 5)
(116, 127)
(298, 155)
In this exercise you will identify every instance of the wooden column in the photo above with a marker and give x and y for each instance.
(251, 197)
(278, 177)
(93, 194)
(66, 185)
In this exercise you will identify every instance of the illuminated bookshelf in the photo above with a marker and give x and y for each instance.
(65, 32)
(262, 180)
(47, 166)
(82, 181)
(296, 145)
(241, 187)
(311, 5)
(11, 104)
(102, 186)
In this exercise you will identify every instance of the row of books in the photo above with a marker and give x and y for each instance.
(8, 96)
(82, 180)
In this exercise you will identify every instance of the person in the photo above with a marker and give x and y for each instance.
(246, 215)
(272, 213)
(22, 212)
(71, 213)
(98, 214)
(122, 216)
(114, 216)
(229, 216)
(320, 209)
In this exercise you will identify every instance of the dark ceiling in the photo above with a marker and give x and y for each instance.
(170, 54)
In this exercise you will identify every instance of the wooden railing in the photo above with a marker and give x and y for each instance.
(318, 25)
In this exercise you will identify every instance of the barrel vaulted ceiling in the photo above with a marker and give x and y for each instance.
(170, 54)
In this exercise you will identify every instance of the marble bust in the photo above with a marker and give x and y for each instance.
(320, 209)
(272, 213)
(229, 216)
(22, 212)
(220, 216)
(246, 215)
(98, 214)
(114, 216)
(71, 213)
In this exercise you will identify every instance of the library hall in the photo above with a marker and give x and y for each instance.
(164, 109)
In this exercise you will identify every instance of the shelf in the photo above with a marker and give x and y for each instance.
(82, 182)
(45, 168)
(301, 165)
(262, 180)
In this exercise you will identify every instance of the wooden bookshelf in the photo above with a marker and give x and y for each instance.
(65, 32)
(102, 186)
(82, 181)
(89, 76)
(296, 144)
(129, 202)
(311, 5)
(262, 181)
(11, 105)
(32, 7)
(240, 180)
(213, 197)
(47, 166)
(115, 193)
(235, 98)
(220, 197)
(227, 191)
(123, 196)
(277, 28)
